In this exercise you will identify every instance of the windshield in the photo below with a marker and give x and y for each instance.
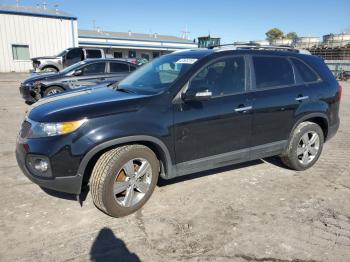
(73, 67)
(159, 74)
(62, 53)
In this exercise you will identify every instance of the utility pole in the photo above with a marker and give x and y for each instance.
(185, 33)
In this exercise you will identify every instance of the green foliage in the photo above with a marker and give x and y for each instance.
(292, 35)
(273, 34)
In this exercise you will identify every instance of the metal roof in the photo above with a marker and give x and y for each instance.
(85, 33)
(35, 11)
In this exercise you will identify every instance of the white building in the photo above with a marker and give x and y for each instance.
(27, 32)
(129, 44)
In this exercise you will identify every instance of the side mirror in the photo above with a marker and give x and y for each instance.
(196, 95)
(78, 72)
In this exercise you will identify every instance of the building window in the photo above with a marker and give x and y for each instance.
(132, 53)
(118, 54)
(20, 52)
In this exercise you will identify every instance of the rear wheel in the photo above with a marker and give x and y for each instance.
(53, 90)
(305, 146)
(123, 179)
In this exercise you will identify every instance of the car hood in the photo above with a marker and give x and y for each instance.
(86, 103)
(43, 57)
(41, 77)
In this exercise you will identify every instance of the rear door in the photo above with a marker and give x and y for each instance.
(278, 93)
(118, 70)
(73, 56)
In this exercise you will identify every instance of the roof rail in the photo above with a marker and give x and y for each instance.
(252, 46)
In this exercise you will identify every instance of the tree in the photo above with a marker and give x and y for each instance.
(292, 35)
(274, 34)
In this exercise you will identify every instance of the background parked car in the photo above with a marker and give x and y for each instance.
(86, 73)
(65, 58)
(137, 61)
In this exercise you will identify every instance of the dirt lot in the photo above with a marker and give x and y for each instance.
(257, 211)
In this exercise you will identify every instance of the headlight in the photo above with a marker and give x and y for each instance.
(37, 83)
(54, 129)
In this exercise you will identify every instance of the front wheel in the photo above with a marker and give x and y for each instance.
(123, 179)
(53, 90)
(305, 146)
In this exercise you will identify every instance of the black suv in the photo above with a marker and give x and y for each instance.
(87, 73)
(182, 113)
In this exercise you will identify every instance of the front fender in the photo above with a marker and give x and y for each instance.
(124, 140)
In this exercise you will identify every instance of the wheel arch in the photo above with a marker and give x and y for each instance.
(155, 144)
(318, 118)
(53, 66)
(44, 87)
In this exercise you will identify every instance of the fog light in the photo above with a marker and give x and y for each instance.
(41, 165)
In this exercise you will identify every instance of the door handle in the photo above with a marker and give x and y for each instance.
(301, 98)
(243, 109)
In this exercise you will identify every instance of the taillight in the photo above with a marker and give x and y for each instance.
(340, 90)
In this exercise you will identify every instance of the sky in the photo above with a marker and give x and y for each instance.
(232, 20)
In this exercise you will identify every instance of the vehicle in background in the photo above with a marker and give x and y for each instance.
(65, 58)
(137, 61)
(343, 76)
(87, 73)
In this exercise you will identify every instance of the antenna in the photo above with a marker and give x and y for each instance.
(44, 4)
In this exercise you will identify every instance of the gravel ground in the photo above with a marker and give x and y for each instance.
(257, 211)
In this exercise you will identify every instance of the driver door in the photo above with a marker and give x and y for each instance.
(213, 132)
(89, 75)
(73, 56)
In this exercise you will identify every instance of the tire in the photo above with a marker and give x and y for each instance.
(53, 90)
(112, 170)
(300, 157)
(49, 69)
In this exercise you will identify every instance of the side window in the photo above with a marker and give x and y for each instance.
(272, 72)
(95, 68)
(223, 77)
(118, 67)
(132, 68)
(306, 73)
(91, 53)
(76, 54)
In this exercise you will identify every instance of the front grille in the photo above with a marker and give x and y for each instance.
(25, 129)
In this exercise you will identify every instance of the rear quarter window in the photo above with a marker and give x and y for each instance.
(90, 53)
(272, 72)
(306, 73)
(116, 67)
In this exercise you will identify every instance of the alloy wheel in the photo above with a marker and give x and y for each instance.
(132, 182)
(308, 147)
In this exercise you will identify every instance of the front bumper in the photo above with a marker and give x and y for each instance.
(28, 93)
(67, 184)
